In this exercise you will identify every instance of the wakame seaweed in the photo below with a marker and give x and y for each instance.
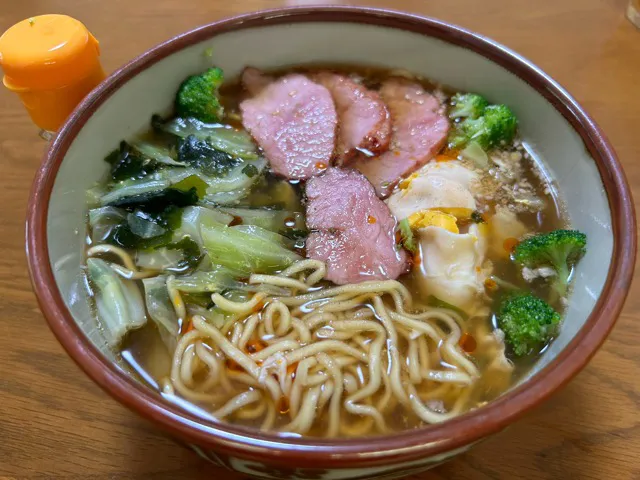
(201, 155)
(127, 163)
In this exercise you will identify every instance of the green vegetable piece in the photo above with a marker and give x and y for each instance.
(103, 220)
(467, 105)
(134, 232)
(216, 280)
(193, 217)
(559, 249)
(474, 152)
(202, 299)
(250, 170)
(497, 125)
(158, 153)
(476, 217)
(192, 182)
(126, 163)
(155, 201)
(118, 302)
(246, 251)
(234, 187)
(504, 284)
(237, 143)
(144, 225)
(198, 96)
(181, 257)
(434, 301)
(280, 221)
(150, 185)
(528, 323)
(200, 155)
(406, 236)
(191, 254)
(159, 304)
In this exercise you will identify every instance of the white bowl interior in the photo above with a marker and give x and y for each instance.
(129, 110)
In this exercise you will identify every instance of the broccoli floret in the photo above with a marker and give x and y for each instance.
(528, 322)
(467, 105)
(198, 96)
(560, 249)
(495, 126)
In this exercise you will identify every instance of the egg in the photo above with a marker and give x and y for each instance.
(439, 186)
(433, 218)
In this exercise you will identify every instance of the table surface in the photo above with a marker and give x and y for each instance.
(55, 423)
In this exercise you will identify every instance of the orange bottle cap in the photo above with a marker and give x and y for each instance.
(52, 62)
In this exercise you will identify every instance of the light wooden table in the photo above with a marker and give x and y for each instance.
(55, 423)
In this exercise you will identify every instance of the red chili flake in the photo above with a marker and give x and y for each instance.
(187, 327)
(510, 244)
(467, 343)
(232, 365)
(490, 285)
(254, 346)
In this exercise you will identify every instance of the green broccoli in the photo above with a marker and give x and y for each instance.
(497, 125)
(560, 249)
(197, 97)
(528, 322)
(467, 105)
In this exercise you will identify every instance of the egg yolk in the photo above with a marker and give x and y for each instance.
(433, 218)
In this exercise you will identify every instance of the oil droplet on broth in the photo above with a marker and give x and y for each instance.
(283, 405)
(510, 244)
(467, 343)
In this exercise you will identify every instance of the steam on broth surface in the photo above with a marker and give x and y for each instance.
(333, 252)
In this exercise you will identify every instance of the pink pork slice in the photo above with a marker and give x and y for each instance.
(294, 120)
(419, 130)
(364, 124)
(352, 230)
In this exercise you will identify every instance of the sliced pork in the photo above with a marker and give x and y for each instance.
(294, 120)
(352, 230)
(364, 121)
(420, 128)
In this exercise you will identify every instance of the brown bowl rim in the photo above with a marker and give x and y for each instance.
(311, 452)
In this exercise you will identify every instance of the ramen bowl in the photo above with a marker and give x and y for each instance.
(572, 149)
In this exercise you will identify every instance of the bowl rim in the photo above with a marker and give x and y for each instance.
(312, 452)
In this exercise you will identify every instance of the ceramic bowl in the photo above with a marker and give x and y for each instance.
(571, 148)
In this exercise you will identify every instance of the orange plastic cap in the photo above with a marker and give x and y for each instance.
(52, 62)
